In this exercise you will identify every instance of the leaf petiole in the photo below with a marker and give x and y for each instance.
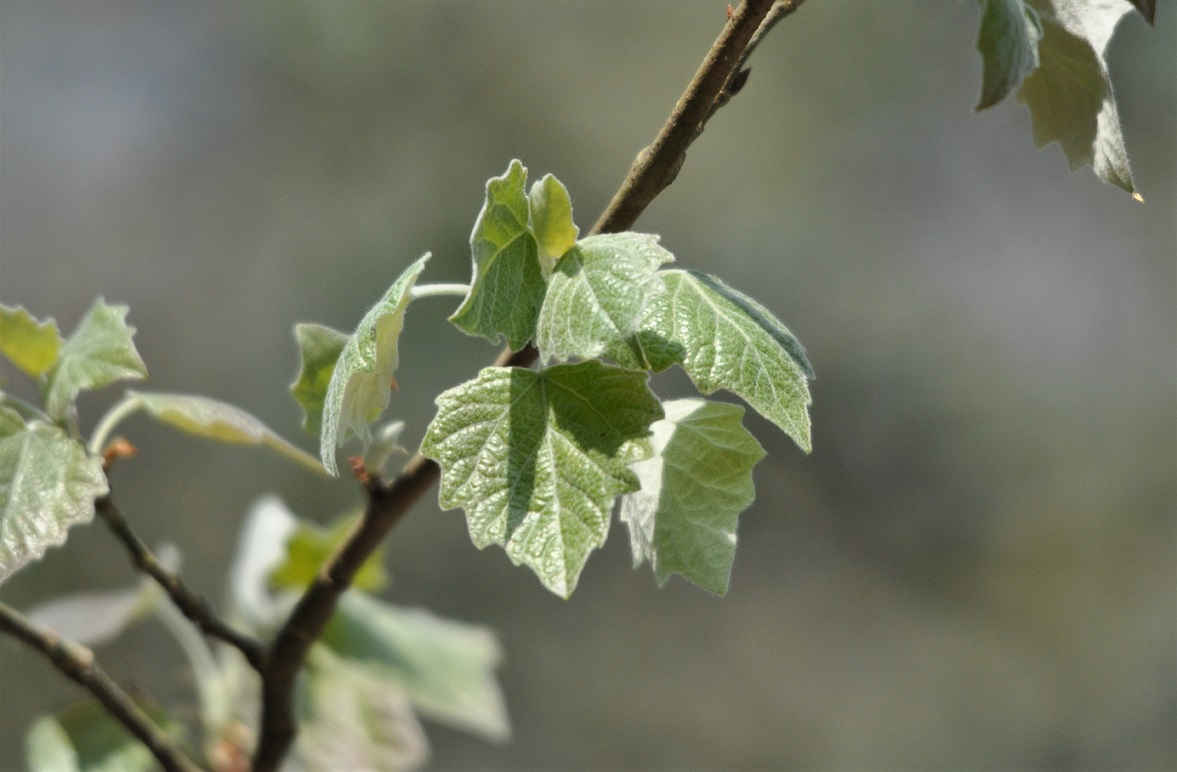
(439, 290)
(116, 415)
(27, 409)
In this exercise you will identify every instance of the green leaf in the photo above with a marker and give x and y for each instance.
(29, 344)
(351, 717)
(309, 546)
(537, 458)
(319, 348)
(725, 340)
(1070, 95)
(1008, 42)
(551, 220)
(84, 737)
(47, 484)
(598, 292)
(445, 668)
(683, 520)
(363, 377)
(98, 353)
(218, 421)
(508, 283)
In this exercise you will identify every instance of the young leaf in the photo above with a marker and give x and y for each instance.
(47, 484)
(261, 547)
(98, 353)
(683, 520)
(219, 421)
(445, 668)
(319, 348)
(1070, 95)
(725, 340)
(1008, 42)
(84, 737)
(597, 293)
(309, 546)
(551, 220)
(351, 717)
(29, 344)
(508, 283)
(537, 458)
(363, 376)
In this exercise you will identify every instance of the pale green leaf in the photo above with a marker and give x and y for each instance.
(319, 348)
(98, 353)
(508, 283)
(309, 546)
(261, 547)
(536, 459)
(47, 485)
(445, 668)
(95, 617)
(85, 738)
(1008, 42)
(725, 340)
(1070, 94)
(29, 344)
(218, 421)
(597, 293)
(352, 717)
(694, 487)
(363, 377)
(551, 220)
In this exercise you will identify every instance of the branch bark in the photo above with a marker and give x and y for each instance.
(77, 663)
(653, 170)
(195, 607)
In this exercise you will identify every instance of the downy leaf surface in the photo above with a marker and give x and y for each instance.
(1070, 94)
(319, 348)
(551, 221)
(98, 353)
(47, 485)
(363, 377)
(29, 344)
(216, 420)
(536, 459)
(724, 340)
(1008, 42)
(683, 520)
(508, 283)
(597, 293)
(445, 668)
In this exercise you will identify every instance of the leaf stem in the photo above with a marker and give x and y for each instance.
(27, 409)
(113, 417)
(438, 290)
(192, 605)
(654, 169)
(78, 664)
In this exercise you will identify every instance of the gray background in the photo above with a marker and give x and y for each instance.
(974, 568)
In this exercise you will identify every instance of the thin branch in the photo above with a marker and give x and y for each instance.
(654, 169)
(192, 605)
(77, 663)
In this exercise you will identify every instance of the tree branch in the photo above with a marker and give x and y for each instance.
(78, 664)
(654, 169)
(192, 605)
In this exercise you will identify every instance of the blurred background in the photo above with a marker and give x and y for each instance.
(974, 569)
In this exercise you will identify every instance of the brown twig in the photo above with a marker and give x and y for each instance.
(192, 605)
(78, 663)
(654, 169)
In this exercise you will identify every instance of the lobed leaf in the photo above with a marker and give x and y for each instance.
(683, 520)
(551, 220)
(360, 385)
(98, 353)
(536, 459)
(47, 485)
(29, 344)
(319, 348)
(1008, 42)
(724, 340)
(508, 284)
(216, 420)
(1070, 94)
(597, 293)
(446, 669)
